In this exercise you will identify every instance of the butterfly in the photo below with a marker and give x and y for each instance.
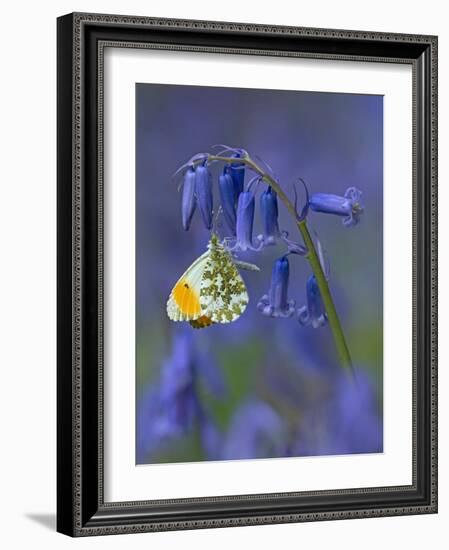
(211, 290)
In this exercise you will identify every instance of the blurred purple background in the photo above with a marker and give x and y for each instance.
(259, 387)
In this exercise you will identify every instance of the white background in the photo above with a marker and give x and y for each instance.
(27, 304)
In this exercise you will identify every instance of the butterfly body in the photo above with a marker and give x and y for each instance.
(210, 291)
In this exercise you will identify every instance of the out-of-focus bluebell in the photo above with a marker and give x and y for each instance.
(256, 431)
(188, 197)
(244, 224)
(309, 351)
(204, 194)
(347, 421)
(172, 407)
(227, 197)
(211, 438)
(313, 313)
(276, 302)
(348, 206)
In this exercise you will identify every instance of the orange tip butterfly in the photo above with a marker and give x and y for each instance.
(211, 290)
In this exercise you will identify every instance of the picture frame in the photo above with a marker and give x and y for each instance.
(81, 506)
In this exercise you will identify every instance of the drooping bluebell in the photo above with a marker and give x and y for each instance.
(269, 212)
(244, 223)
(237, 171)
(272, 235)
(227, 197)
(313, 313)
(188, 197)
(276, 302)
(204, 194)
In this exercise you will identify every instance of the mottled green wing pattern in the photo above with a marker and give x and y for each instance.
(223, 295)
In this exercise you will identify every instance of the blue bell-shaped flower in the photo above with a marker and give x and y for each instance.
(276, 302)
(244, 223)
(227, 196)
(188, 197)
(203, 191)
(313, 313)
(348, 206)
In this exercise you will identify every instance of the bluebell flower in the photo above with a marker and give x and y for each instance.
(203, 191)
(188, 197)
(256, 431)
(171, 408)
(271, 234)
(244, 223)
(276, 302)
(269, 213)
(237, 171)
(348, 206)
(227, 196)
(313, 313)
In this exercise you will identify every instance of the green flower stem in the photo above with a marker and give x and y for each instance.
(326, 296)
(312, 257)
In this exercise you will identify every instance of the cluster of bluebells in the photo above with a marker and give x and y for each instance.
(172, 408)
(346, 422)
(237, 203)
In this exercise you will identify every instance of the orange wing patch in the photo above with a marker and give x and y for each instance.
(187, 299)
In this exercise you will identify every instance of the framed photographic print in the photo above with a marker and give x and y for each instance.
(247, 289)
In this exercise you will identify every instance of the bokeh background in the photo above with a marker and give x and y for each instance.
(259, 387)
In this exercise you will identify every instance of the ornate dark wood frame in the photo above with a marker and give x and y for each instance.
(81, 509)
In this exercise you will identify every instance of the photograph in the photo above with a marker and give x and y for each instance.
(259, 273)
(221, 275)
(247, 273)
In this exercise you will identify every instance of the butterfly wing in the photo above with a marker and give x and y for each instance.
(184, 301)
(223, 295)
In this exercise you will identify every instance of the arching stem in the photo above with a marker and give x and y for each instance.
(312, 257)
